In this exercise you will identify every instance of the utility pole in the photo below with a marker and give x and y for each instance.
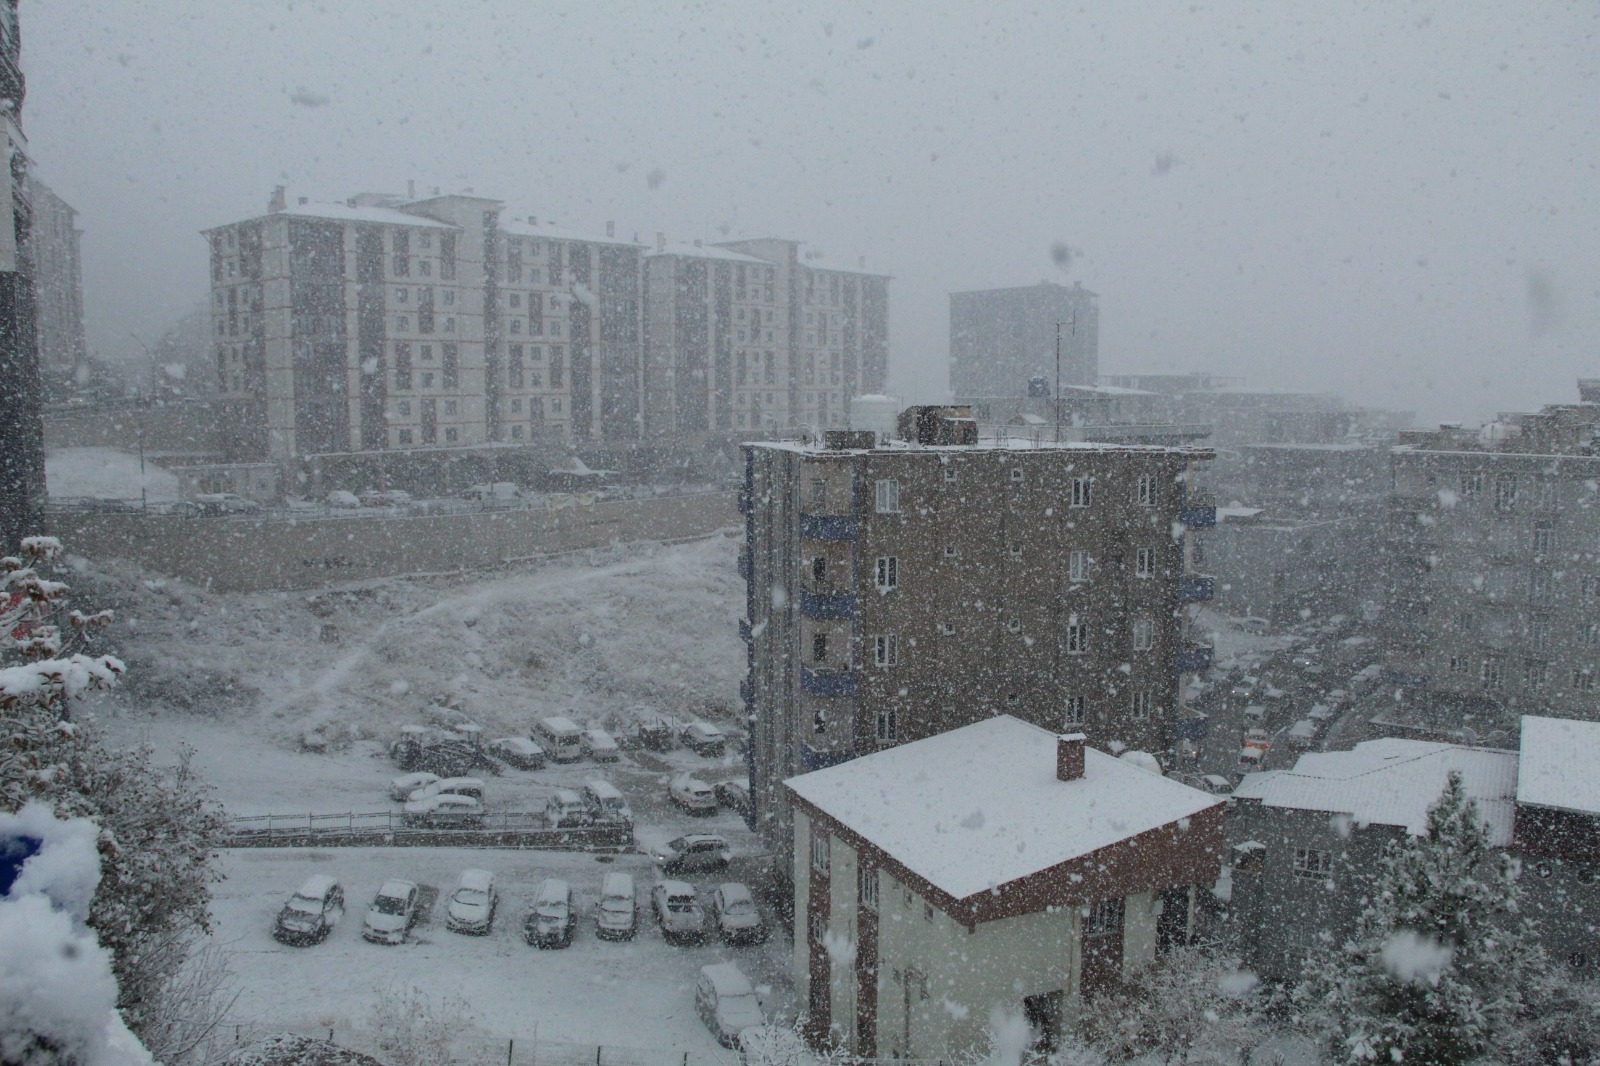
(1058, 382)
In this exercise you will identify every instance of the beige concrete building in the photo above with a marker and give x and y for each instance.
(1032, 873)
(1494, 568)
(903, 590)
(56, 262)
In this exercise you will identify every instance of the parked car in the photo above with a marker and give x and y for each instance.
(599, 746)
(451, 786)
(605, 804)
(499, 490)
(696, 851)
(616, 916)
(692, 794)
(520, 752)
(401, 788)
(444, 812)
(734, 795)
(726, 1002)
(216, 503)
(384, 498)
(678, 911)
(565, 809)
(311, 913)
(392, 913)
(342, 499)
(560, 737)
(655, 734)
(703, 738)
(550, 921)
(737, 918)
(472, 905)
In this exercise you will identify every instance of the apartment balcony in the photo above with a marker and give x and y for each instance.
(827, 604)
(747, 694)
(1194, 657)
(744, 630)
(827, 682)
(1196, 588)
(744, 502)
(821, 758)
(1198, 516)
(827, 527)
(1406, 676)
(744, 565)
(1191, 725)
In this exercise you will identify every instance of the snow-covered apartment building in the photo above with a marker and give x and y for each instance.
(997, 866)
(1305, 842)
(387, 323)
(901, 589)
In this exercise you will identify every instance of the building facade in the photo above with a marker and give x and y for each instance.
(55, 256)
(1002, 339)
(1494, 568)
(948, 920)
(904, 590)
(389, 323)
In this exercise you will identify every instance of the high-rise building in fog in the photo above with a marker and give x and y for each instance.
(56, 261)
(1002, 339)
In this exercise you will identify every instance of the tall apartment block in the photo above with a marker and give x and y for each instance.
(1494, 571)
(55, 257)
(899, 591)
(397, 323)
(21, 394)
(1002, 339)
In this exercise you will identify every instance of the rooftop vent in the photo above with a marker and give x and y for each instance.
(938, 425)
(837, 440)
(1069, 756)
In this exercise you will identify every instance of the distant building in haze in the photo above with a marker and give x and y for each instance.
(1002, 339)
(57, 264)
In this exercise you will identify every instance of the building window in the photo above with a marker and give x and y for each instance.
(949, 472)
(1103, 918)
(451, 434)
(1591, 635)
(888, 573)
(1313, 865)
(1144, 631)
(1505, 492)
(1146, 495)
(516, 431)
(1014, 625)
(1583, 680)
(450, 407)
(947, 629)
(819, 569)
(1077, 637)
(1535, 673)
(404, 407)
(405, 436)
(1539, 633)
(1139, 704)
(402, 322)
(514, 367)
(1078, 565)
(1544, 539)
(887, 730)
(867, 887)
(819, 647)
(1015, 551)
(450, 368)
(1016, 473)
(1458, 665)
(886, 649)
(402, 366)
(1145, 565)
(888, 496)
(1072, 711)
(950, 551)
(1471, 485)
(449, 294)
(1491, 672)
(819, 932)
(821, 853)
(401, 295)
(819, 493)
(1081, 487)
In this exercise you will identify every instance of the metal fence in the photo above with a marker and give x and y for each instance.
(484, 1049)
(499, 829)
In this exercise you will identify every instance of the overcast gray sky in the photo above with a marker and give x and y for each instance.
(1399, 202)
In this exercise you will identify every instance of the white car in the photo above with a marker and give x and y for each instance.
(450, 786)
(703, 738)
(392, 913)
(401, 788)
(692, 794)
(519, 752)
(224, 503)
(678, 911)
(726, 1002)
(472, 905)
(736, 915)
(341, 498)
(599, 746)
(444, 812)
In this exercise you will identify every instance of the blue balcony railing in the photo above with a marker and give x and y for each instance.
(744, 565)
(1407, 678)
(1192, 726)
(1193, 657)
(827, 682)
(747, 694)
(1196, 588)
(744, 630)
(827, 527)
(1198, 517)
(744, 502)
(819, 759)
(827, 604)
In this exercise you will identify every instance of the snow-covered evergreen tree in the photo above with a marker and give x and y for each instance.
(1190, 1000)
(1442, 959)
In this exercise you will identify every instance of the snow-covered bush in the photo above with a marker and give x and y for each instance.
(413, 1030)
(1189, 1003)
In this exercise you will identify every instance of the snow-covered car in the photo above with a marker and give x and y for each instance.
(734, 795)
(551, 919)
(401, 788)
(384, 498)
(703, 738)
(473, 903)
(726, 1001)
(616, 916)
(696, 851)
(311, 913)
(342, 499)
(599, 746)
(677, 911)
(520, 752)
(565, 809)
(391, 914)
(444, 812)
(214, 503)
(737, 918)
(692, 794)
(450, 786)
(605, 803)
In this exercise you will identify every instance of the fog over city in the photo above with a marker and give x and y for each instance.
(1391, 201)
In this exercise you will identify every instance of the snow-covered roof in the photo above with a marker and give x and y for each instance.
(1007, 444)
(939, 807)
(341, 212)
(1558, 760)
(706, 251)
(1392, 782)
(549, 232)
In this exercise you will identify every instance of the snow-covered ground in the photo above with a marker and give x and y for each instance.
(106, 473)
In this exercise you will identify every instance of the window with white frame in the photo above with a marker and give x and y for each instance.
(1583, 680)
(1145, 564)
(1081, 488)
(887, 727)
(886, 649)
(1146, 495)
(1016, 473)
(1078, 565)
(947, 629)
(1077, 636)
(821, 850)
(1139, 704)
(949, 472)
(888, 572)
(818, 926)
(1471, 484)
(1072, 711)
(1144, 634)
(1505, 492)
(1535, 673)
(1103, 918)
(867, 887)
(1492, 672)
(1591, 635)
(888, 496)
(1313, 865)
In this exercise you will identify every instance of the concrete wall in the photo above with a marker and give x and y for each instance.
(187, 428)
(232, 554)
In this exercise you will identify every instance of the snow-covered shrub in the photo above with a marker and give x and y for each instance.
(413, 1030)
(1189, 1003)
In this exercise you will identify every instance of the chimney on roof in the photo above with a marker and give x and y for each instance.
(278, 201)
(304, 200)
(611, 229)
(1069, 756)
(411, 188)
(661, 241)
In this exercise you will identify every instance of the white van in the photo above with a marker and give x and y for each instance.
(606, 804)
(565, 810)
(561, 740)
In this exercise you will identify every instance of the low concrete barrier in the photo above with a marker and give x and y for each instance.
(504, 829)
